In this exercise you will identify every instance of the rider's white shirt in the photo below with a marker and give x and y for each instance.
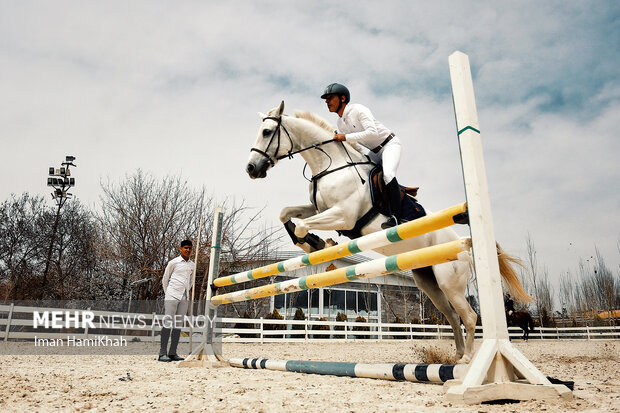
(360, 126)
(177, 278)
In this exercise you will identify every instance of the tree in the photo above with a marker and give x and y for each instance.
(21, 245)
(143, 221)
(26, 227)
(74, 261)
(532, 265)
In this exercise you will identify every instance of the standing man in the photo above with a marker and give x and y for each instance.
(357, 124)
(177, 282)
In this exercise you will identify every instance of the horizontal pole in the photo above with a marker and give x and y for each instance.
(419, 258)
(428, 223)
(430, 373)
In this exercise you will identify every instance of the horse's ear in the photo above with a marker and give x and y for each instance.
(262, 115)
(281, 108)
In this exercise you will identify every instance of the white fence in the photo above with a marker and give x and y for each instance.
(16, 323)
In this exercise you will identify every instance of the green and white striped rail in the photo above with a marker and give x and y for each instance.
(426, 373)
(423, 257)
(429, 223)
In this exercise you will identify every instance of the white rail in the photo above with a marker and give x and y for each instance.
(20, 327)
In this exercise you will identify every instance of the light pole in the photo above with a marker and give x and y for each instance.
(131, 287)
(60, 180)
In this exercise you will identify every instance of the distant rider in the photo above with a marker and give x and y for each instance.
(509, 305)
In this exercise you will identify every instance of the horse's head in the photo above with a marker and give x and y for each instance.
(272, 143)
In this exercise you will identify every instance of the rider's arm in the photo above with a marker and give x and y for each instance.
(367, 122)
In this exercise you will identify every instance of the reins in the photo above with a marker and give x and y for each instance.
(316, 146)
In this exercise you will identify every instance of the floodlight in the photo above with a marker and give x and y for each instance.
(72, 182)
(59, 192)
(51, 170)
(62, 171)
(49, 181)
(68, 172)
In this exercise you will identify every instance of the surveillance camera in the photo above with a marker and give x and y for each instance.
(70, 158)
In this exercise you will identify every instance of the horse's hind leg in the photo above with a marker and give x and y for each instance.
(452, 279)
(425, 280)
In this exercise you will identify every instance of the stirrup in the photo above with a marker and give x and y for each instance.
(392, 221)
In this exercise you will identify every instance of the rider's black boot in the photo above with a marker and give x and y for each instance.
(394, 197)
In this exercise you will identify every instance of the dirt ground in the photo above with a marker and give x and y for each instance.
(141, 383)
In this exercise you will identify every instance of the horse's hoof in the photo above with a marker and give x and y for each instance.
(464, 360)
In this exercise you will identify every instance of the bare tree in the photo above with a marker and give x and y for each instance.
(400, 299)
(568, 294)
(75, 264)
(25, 224)
(606, 286)
(532, 266)
(21, 244)
(143, 220)
(545, 298)
(244, 247)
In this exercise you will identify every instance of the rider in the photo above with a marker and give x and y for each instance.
(509, 305)
(357, 124)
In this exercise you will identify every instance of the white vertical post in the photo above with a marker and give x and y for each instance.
(153, 315)
(491, 374)
(8, 322)
(478, 201)
(191, 305)
(205, 355)
(86, 327)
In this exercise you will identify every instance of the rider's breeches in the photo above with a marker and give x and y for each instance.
(390, 159)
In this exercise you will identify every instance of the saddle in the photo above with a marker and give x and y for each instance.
(410, 208)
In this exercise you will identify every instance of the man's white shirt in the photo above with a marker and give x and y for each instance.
(177, 278)
(360, 126)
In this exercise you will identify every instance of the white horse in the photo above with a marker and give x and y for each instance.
(340, 195)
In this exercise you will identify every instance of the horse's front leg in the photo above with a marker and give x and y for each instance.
(307, 242)
(330, 219)
(300, 211)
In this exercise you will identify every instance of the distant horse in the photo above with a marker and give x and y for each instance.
(340, 197)
(524, 320)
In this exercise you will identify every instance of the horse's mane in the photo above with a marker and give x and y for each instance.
(314, 118)
(323, 124)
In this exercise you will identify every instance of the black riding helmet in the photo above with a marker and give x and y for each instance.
(337, 89)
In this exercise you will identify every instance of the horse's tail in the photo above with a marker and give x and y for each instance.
(509, 275)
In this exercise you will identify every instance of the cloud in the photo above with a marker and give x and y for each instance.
(174, 88)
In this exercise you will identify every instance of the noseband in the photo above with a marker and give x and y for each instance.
(271, 160)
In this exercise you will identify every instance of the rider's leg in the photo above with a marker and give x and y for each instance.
(390, 156)
(393, 190)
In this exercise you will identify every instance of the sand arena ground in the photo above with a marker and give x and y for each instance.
(100, 382)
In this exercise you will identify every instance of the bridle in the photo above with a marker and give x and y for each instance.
(290, 153)
(270, 159)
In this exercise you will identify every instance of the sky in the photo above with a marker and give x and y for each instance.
(174, 87)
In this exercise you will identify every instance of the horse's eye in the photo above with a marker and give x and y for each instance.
(266, 132)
